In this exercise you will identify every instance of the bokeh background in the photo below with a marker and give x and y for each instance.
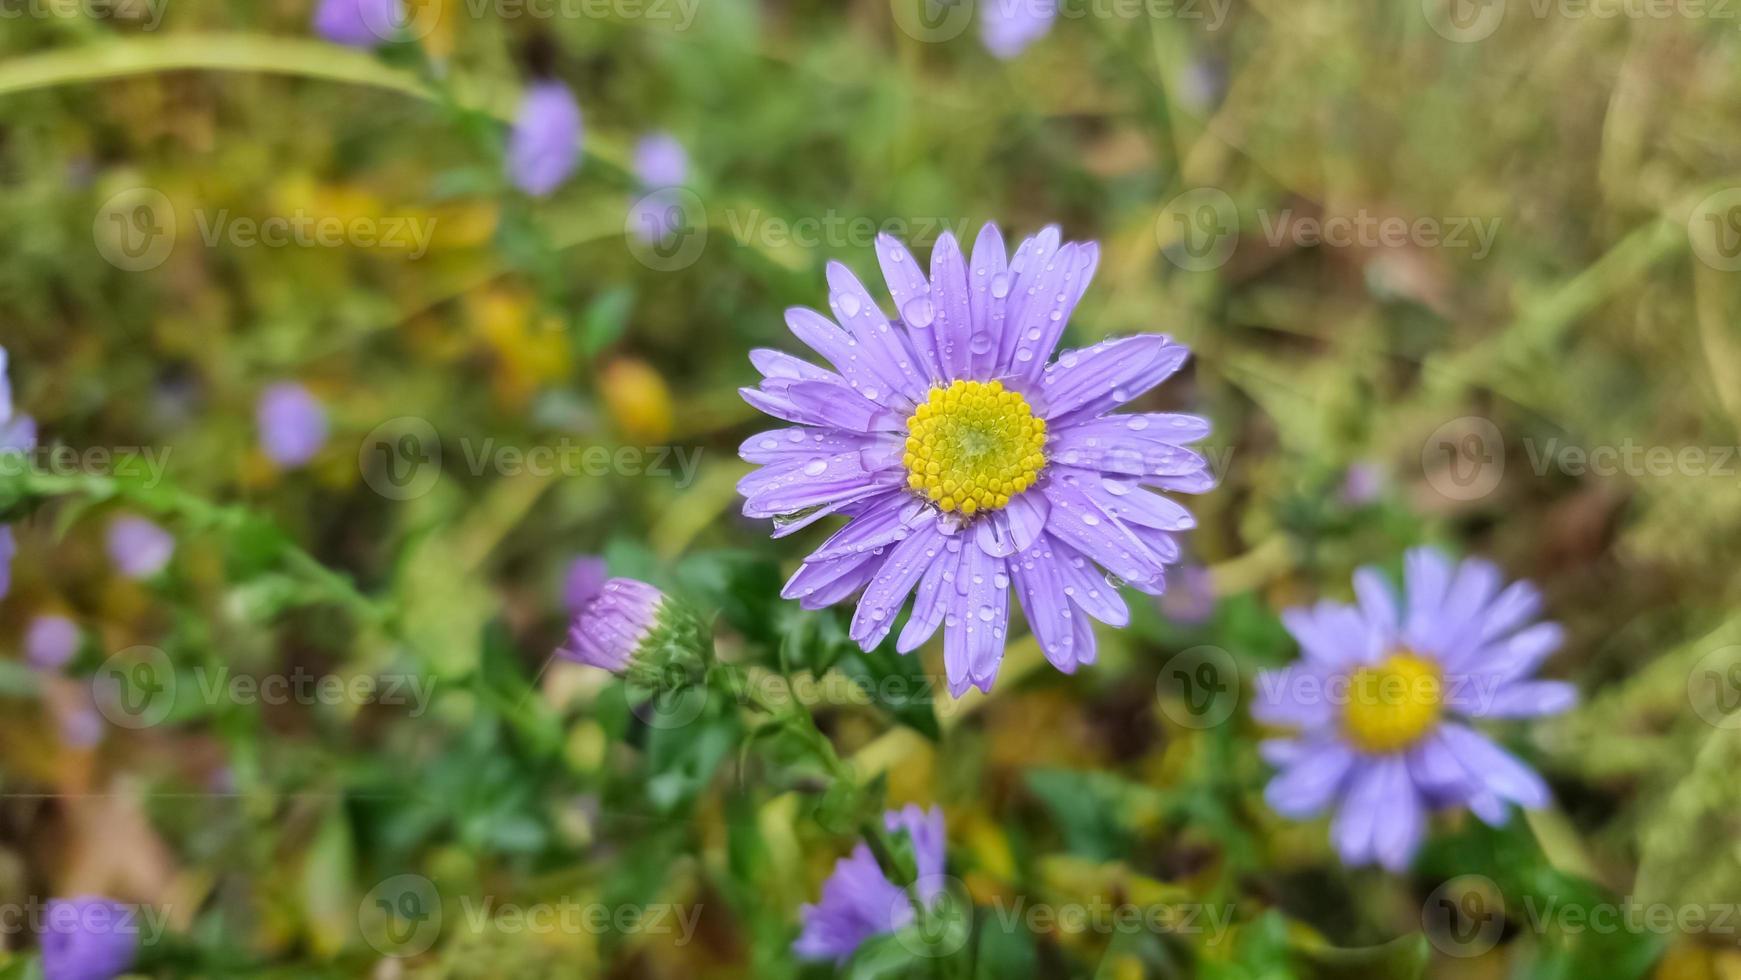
(1462, 273)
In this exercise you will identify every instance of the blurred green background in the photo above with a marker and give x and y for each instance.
(1564, 280)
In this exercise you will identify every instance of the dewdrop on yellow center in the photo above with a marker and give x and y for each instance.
(973, 445)
(1392, 705)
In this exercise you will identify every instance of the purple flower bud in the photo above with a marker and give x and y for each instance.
(611, 629)
(17, 432)
(660, 161)
(657, 216)
(586, 579)
(138, 547)
(545, 145)
(359, 23)
(1008, 26)
(292, 424)
(88, 938)
(50, 641)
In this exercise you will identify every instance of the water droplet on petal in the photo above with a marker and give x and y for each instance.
(816, 467)
(849, 304)
(919, 313)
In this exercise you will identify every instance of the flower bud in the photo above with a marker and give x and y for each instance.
(633, 629)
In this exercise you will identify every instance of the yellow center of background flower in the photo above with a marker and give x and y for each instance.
(1392, 705)
(973, 445)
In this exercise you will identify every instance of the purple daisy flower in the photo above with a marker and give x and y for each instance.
(359, 23)
(138, 547)
(660, 161)
(292, 424)
(1382, 694)
(50, 641)
(966, 463)
(859, 901)
(1008, 26)
(544, 147)
(88, 938)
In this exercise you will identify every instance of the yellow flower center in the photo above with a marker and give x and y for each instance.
(973, 445)
(1390, 706)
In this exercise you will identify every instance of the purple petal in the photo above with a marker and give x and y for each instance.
(820, 584)
(358, 23)
(912, 295)
(1047, 311)
(988, 294)
(1048, 609)
(1084, 583)
(1311, 782)
(930, 603)
(805, 443)
(891, 518)
(585, 580)
(952, 328)
(1025, 267)
(1499, 770)
(1083, 384)
(900, 572)
(779, 364)
(885, 347)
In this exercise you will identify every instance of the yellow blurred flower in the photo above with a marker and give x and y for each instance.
(638, 400)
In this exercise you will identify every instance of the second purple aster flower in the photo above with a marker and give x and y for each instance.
(1381, 699)
(967, 461)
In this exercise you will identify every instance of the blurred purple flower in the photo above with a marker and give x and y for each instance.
(545, 145)
(359, 23)
(611, 629)
(292, 423)
(859, 901)
(1380, 696)
(88, 938)
(660, 161)
(1363, 484)
(138, 547)
(1008, 26)
(50, 641)
(1190, 596)
(17, 435)
(585, 580)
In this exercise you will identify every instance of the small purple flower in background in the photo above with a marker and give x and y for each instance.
(292, 423)
(359, 23)
(1380, 696)
(1008, 26)
(1363, 484)
(660, 161)
(967, 465)
(859, 901)
(1191, 599)
(88, 938)
(50, 641)
(138, 547)
(544, 147)
(17, 435)
(585, 580)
